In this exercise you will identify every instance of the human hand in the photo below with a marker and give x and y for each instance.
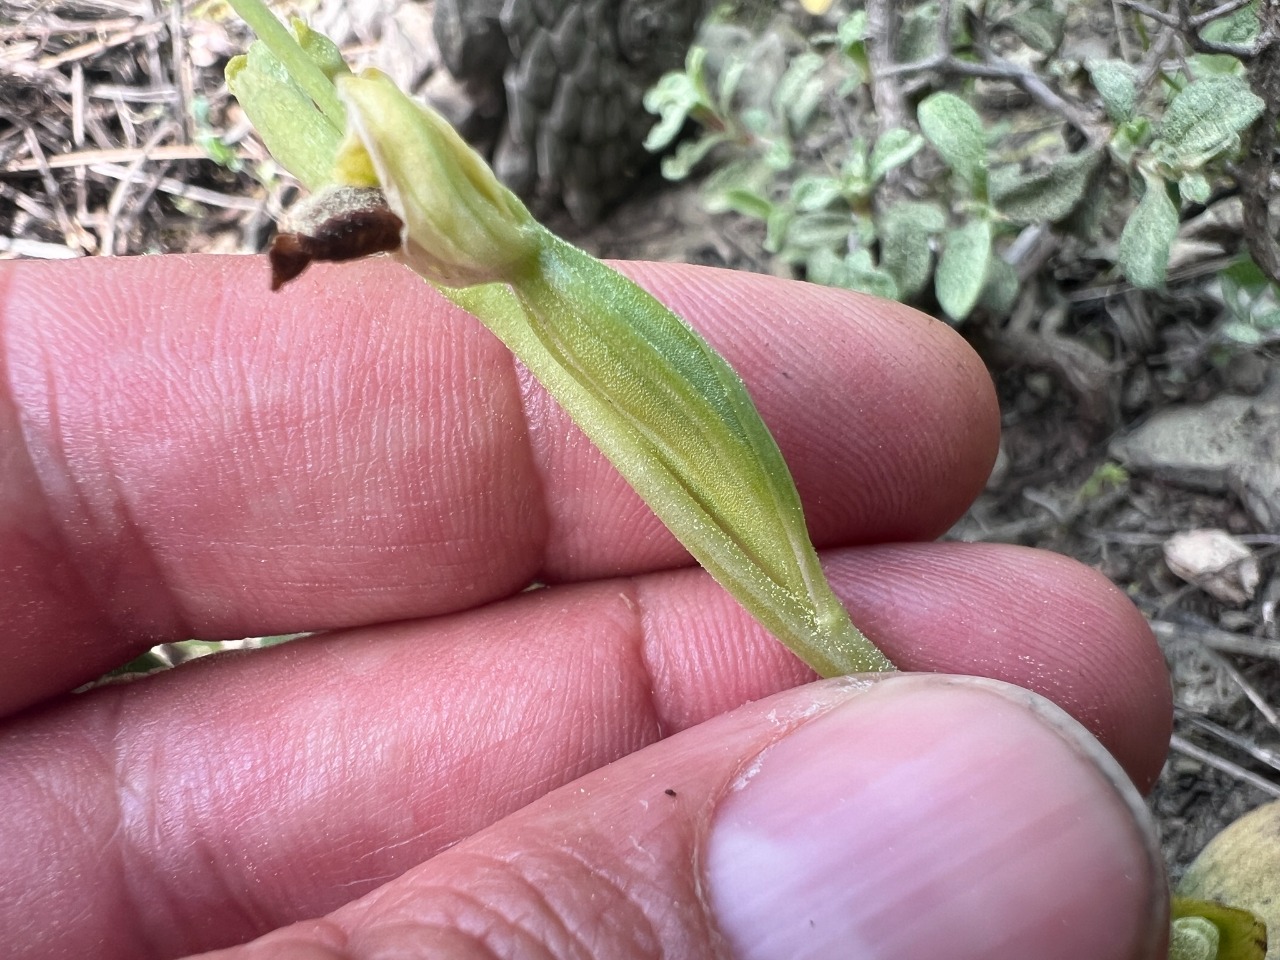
(576, 771)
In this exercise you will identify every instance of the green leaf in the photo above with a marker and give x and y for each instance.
(322, 51)
(825, 267)
(955, 130)
(1202, 65)
(743, 201)
(777, 156)
(1250, 298)
(799, 91)
(810, 231)
(855, 168)
(746, 173)
(689, 154)
(875, 283)
(962, 268)
(673, 98)
(677, 423)
(1001, 289)
(1148, 236)
(1241, 27)
(1129, 137)
(905, 229)
(917, 34)
(1108, 475)
(1243, 333)
(1050, 194)
(856, 271)
(776, 226)
(894, 148)
(1117, 84)
(758, 121)
(815, 193)
(727, 85)
(1244, 279)
(1040, 26)
(852, 35)
(862, 275)
(853, 29)
(219, 151)
(676, 98)
(1194, 188)
(1207, 116)
(307, 58)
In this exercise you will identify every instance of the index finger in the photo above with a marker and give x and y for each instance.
(186, 454)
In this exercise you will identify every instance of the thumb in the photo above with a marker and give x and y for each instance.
(910, 816)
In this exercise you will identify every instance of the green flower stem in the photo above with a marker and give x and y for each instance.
(658, 401)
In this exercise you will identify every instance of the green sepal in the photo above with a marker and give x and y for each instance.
(298, 134)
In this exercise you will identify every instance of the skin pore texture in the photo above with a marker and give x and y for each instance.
(184, 454)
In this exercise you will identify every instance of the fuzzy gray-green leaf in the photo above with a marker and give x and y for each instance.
(747, 202)
(799, 91)
(955, 130)
(1050, 194)
(812, 193)
(1148, 236)
(894, 148)
(1195, 188)
(1117, 84)
(905, 229)
(1040, 25)
(1207, 116)
(1239, 27)
(689, 154)
(864, 276)
(673, 98)
(962, 268)
(809, 231)
(1000, 291)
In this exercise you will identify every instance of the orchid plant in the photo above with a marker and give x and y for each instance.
(388, 174)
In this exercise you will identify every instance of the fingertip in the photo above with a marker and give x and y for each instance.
(936, 816)
(1029, 617)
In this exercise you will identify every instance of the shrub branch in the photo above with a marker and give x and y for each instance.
(1259, 159)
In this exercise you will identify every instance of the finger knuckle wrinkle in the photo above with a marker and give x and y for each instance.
(531, 906)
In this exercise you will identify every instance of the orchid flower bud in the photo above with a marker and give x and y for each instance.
(461, 225)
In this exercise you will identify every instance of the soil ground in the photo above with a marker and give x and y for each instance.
(111, 109)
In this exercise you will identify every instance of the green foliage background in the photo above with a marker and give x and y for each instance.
(1108, 152)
